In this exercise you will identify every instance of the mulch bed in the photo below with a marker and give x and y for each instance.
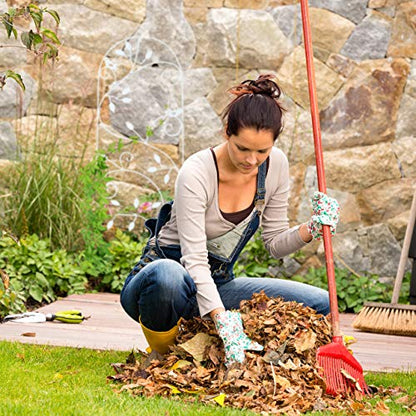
(282, 379)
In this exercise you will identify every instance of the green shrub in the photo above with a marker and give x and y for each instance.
(11, 300)
(38, 273)
(352, 290)
(255, 260)
(96, 254)
(125, 253)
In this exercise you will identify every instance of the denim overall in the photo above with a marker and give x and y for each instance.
(160, 290)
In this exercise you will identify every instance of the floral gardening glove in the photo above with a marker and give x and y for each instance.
(325, 212)
(230, 328)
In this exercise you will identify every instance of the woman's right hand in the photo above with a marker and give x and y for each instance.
(229, 326)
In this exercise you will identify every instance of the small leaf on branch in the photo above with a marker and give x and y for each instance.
(36, 39)
(37, 18)
(7, 21)
(50, 35)
(55, 15)
(17, 77)
(52, 52)
(26, 39)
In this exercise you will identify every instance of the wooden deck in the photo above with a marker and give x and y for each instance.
(109, 327)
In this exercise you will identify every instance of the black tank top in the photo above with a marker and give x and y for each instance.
(234, 217)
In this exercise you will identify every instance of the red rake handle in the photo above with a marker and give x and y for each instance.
(333, 302)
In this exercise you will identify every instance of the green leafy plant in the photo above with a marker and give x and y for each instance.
(353, 290)
(255, 260)
(37, 272)
(42, 41)
(11, 300)
(94, 179)
(125, 253)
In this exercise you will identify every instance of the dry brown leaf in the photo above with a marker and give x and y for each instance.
(197, 345)
(403, 400)
(383, 408)
(305, 341)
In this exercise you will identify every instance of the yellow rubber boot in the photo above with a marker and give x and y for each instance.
(160, 340)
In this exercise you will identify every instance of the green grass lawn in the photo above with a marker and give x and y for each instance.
(42, 380)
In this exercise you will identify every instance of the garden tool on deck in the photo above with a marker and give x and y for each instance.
(392, 318)
(70, 317)
(342, 372)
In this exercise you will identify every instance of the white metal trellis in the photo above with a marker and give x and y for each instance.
(119, 137)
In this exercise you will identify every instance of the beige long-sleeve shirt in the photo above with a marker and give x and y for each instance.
(196, 218)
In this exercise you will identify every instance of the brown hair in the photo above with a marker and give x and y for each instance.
(256, 105)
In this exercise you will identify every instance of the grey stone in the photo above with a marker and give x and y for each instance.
(365, 110)
(166, 33)
(370, 249)
(354, 169)
(384, 250)
(388, 11)
(288, 267)
(8, 144)
(403, 36)
(353, 10)
(203, 127)
(348, 252)
(411, 80)
(386, 200)
(406, 117)
(404, 149)
(289, 20)
(14, 102)
(148, 98)
(198, 82)
(349, 213)
(294, 82)
(296, 138)
(90, 30)
(128, 9)
(330, 31)
(223, 42)
(79, 69)
(370, 39)
(12, 52)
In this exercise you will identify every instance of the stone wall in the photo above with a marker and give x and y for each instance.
(364, 53)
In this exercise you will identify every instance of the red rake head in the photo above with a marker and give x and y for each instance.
(342, 372)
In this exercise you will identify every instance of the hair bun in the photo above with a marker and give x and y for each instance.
(262, 85)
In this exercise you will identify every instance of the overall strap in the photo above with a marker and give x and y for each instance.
(261, 187)
(162, 219)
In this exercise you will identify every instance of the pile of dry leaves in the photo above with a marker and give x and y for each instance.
(282, 379)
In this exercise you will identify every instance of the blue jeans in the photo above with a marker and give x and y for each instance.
(163, 291)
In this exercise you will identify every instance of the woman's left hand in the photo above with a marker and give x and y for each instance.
(325, 212)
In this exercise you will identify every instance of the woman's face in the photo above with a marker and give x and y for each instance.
(249, 148)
